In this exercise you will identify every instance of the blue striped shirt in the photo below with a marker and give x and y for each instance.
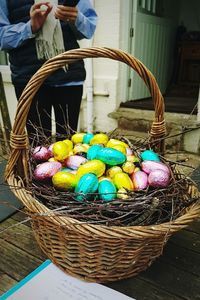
(13, 35)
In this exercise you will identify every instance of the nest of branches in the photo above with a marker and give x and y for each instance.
(144, 207)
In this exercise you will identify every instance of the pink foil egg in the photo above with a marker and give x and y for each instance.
(41, 153)
(46, 170)
(50, 148)
(74, 161)
(148, 166)
(159, 178)
(140, 180)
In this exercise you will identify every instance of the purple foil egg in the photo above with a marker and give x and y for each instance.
(148, 166)
(46, 170)
(41, 153)
(159, 178)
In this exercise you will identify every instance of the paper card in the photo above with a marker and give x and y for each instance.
(48, 282)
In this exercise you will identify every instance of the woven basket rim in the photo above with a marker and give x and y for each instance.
(19, 149)
(34, 207)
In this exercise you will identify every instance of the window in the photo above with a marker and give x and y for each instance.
(153, 7)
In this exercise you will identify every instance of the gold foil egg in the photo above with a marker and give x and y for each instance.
(60, 151)
(128, 167)
(99, 138)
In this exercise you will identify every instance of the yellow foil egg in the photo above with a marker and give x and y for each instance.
(136, 169)
(122, 194)
(113, 170)
(69, 144)
(64, 181)
(122, 180)
(52, 159)
(71, 153)
(132, 158)
(113, 142)
(120, 148)
(60, 150)
(77, 137)
(99, 138)
(86, 146)
(128, 167)
(79, 148)
(103, 178)
(94, 166)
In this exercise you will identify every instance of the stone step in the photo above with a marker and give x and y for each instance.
(137, 122)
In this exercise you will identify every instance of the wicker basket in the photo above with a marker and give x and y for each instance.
(87, 251)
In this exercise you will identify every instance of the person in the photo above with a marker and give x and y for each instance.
(24, 35)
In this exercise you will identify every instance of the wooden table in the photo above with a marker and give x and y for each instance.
(173, 276)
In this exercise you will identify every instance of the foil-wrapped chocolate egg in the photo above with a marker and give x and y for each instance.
(159, 178)
(149, 155)
(46, 170)
(148, 166)
(74, 161)
(140, 180)
(64, 180)
(41, 153)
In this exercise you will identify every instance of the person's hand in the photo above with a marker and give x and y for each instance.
(66, 13)
(38, 15)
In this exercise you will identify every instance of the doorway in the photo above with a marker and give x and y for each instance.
(166, 39)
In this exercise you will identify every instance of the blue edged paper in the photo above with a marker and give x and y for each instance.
(48, 282)
(25, 280)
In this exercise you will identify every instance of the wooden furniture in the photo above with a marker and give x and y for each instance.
(189, 67)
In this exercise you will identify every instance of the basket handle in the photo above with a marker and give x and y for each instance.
(19, 139)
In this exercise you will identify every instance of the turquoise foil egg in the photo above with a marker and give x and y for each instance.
(107, 190)
(92, 151)
(87, 184)
(149, 155)
(87, 138)
(111, 156)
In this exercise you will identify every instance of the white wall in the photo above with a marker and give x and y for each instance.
(9, 92)
(106, 71)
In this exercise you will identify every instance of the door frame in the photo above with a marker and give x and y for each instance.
(128, 9)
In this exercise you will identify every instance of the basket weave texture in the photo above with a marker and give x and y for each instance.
(91, 252)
